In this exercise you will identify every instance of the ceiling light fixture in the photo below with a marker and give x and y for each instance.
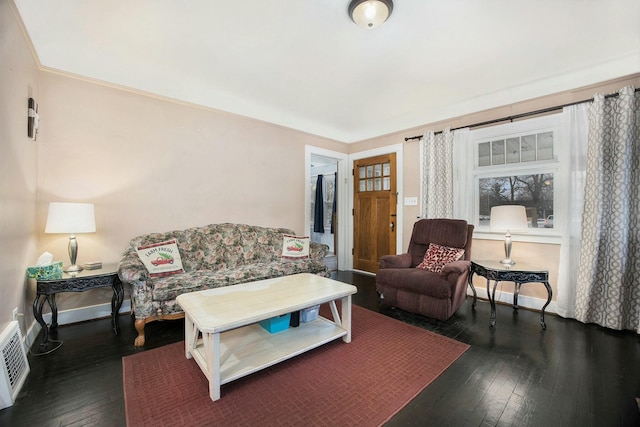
(370, 14)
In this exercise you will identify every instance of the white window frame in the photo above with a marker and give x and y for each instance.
(551, 123)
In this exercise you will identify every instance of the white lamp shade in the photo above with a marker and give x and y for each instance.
(70, 218)
(508, 218)
(370, 14)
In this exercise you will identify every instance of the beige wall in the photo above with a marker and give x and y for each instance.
(543, 255)
(18, 238)
(151, 164)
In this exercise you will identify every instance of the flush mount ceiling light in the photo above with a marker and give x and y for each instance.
(370, 14)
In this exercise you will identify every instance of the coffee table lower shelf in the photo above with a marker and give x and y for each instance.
(251, 348)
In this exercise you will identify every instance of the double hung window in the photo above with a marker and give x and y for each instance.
(517, 164)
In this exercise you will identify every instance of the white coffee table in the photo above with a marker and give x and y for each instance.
(233, 345)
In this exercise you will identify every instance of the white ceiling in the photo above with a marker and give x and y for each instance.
(303, 64)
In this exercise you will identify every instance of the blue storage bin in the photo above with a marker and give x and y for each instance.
(276, 324)
(309, 314)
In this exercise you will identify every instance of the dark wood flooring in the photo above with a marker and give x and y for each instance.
(513, 375)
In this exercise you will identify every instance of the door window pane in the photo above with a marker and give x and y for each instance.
(369, 185)
(386, 183)
(378, 184)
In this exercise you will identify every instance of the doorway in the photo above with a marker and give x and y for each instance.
(344, 236)
(323, 219)
(374, 211)
(332, 166)
(372, 260)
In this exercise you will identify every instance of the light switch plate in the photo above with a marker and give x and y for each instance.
(411, 201)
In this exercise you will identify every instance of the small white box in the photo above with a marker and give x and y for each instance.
(309, 314)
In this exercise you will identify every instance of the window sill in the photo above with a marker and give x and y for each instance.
(550, 237)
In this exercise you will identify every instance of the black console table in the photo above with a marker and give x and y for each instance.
(46, 290)
(519, 273)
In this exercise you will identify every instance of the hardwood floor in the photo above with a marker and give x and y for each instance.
(513, 375)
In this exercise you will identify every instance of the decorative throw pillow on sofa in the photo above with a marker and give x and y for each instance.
(161, 259)
(295, 247)
(438, 256)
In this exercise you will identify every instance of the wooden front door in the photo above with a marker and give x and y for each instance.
(374, 211)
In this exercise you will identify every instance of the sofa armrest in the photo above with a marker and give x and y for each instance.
(131, 268)
(395, 261)
(455, 269)
(318, 251)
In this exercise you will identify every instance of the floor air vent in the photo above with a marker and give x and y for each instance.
(15, 365)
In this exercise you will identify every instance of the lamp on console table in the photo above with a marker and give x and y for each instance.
(508, 218)
(71, 218)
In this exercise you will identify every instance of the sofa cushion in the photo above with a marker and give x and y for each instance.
(438, 256)
(194, 251)
(168, 288)
(260, 244)
(286, 267)
(219, 246)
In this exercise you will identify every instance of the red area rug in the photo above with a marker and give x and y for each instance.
(363, 383)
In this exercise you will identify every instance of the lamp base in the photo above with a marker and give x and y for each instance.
(73, 268)
(507, 261)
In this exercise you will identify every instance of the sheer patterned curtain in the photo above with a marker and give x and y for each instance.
(575, 121)
(436, 188)
(608, 287)
(463, 154)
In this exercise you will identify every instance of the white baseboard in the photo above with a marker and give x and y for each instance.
(75, 315)
(100, 311)
(366, 273)
(523, 300)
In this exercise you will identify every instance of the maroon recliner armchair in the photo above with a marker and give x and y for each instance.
(436, 295)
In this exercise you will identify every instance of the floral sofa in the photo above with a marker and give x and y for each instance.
(212, 256)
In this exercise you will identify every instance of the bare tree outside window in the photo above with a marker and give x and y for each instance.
(535, 192)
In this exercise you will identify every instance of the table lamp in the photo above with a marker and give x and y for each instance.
(508, 218)
(71, 218)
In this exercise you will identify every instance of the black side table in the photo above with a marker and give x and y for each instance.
(519, 273)
(46, 290)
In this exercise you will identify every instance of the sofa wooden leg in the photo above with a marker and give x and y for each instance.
(139, 342)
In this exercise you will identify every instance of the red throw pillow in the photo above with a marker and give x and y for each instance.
(438, 256)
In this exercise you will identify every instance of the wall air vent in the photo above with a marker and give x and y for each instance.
(15, 366)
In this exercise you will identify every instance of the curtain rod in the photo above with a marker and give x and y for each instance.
(518, 116)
